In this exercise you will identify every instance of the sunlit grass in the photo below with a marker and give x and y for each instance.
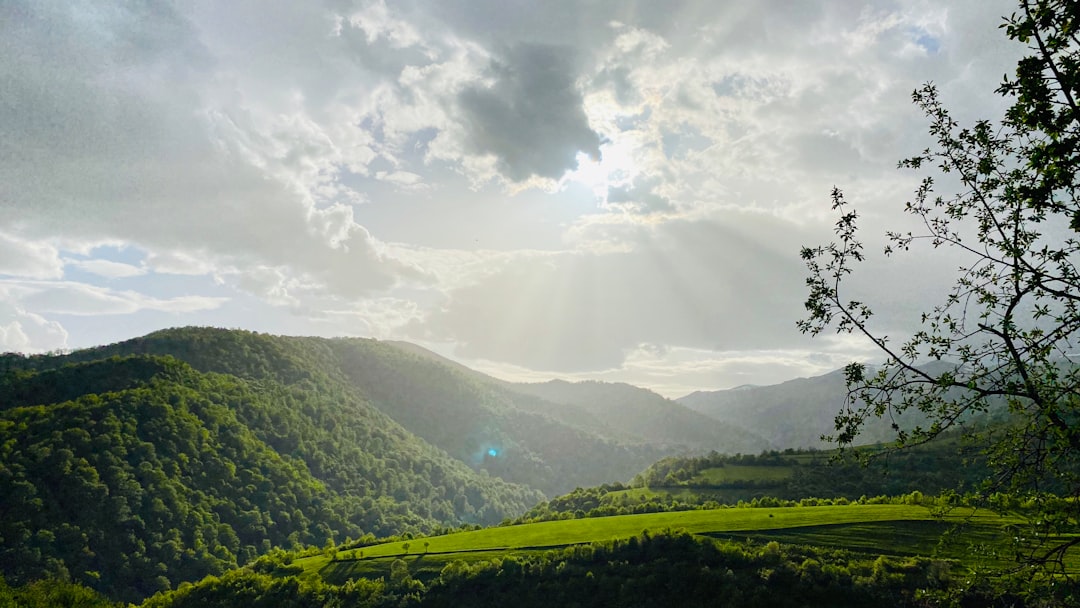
(893, 529)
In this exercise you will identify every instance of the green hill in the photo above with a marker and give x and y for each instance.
(479, 421)
(476, 419)
(135, 466)
(133, 474)
(720, 557)
(796, 413)
(695, 482)
(642, 414)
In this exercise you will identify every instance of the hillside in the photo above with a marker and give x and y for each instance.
(793, 414)
(133, 474)
(615, 410)
(643, 414)
(694, 482)
(848, 555)
(477, 420)
(134, 466)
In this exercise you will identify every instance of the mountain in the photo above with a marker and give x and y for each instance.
(793, 414)
(480, 421)
(133, 473)
(642, 414)
(135, 466)
(616, 410)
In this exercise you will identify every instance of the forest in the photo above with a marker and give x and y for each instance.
(194, 466)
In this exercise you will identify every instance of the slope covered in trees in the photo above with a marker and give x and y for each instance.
(808, 476)
(135, 466)
(792, 414)
(642, 414)
(614, 410)
(478, 421)
(133, 474)
(474, 418)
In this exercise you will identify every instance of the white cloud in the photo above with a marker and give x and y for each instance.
(159, 141)
(372, 318)
(71, 298)
(27, 332)
(178, 262)
(29, 259)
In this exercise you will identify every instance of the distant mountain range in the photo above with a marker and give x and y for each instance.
(793, 414)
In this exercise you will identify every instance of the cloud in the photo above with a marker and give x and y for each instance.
(639, 196)
(531, 117)
(71, 298)
(714, 284)
(29, 259)
(27, 332)
(178, 262)
(350, 165)
(129, 124)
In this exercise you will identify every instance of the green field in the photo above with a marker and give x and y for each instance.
(888, 529)
(736, 472)
(969, 544)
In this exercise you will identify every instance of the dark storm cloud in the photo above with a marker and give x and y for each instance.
(532, 118)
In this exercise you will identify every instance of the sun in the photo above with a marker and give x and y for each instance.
(614, 168)
(617, 164)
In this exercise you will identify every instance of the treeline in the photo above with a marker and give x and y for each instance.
(809, 477)
(663, 569)
(948, 465)
(677, 470)
(600, 502)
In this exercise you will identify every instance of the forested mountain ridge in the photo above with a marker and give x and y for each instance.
(641, 413)
(138, 465)
(464, 414)
(616, 410)
(479, 422)
(158, 473)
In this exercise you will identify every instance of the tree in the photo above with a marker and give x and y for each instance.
(1008, 330)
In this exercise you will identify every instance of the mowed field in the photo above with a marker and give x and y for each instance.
(866, 528)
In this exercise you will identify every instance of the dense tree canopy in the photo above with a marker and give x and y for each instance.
(1010, 326)
(132, 474)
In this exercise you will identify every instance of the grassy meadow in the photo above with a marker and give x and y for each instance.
(876, 529)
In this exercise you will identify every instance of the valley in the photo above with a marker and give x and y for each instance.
(140, 468)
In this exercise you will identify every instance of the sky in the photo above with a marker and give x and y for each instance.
(611, 189)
